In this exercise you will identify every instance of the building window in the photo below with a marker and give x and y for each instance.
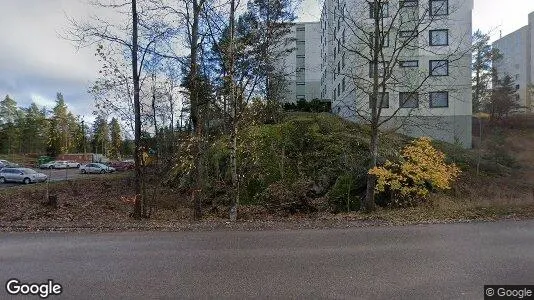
(383, 99)
(407, 33)
(439, 37)
(439, 99)
(301, 83)
(301, 97)
(384, 10)
(343, 84)
(408, 3)
(517, 87)
(381, 66)
(301, 28)
(439, 7)
(409, 63)
(408, 100)
(384, 36)
(439, 67)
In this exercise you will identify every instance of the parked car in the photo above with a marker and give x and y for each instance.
(72, 164)
(24, 175)
(122, 165)
(96, 168)
(55, 164)
(8, 164)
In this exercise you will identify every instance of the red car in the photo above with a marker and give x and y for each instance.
(122, 165)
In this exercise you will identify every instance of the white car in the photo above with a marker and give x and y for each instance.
(72, 164)
(55, 164)
(24, 175)
(96, 168)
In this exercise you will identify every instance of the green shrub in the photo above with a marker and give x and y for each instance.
(346, 193)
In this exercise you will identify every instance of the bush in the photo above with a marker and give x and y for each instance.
(346, 193)
(421, 169)
(313, 106)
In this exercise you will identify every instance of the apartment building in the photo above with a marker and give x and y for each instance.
(429, 92)
(518, 56)
(302, 66)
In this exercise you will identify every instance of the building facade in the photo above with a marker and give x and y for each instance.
(427, 87)
(302, 65)
(518, 55)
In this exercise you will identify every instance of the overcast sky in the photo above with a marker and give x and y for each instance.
(35, 62)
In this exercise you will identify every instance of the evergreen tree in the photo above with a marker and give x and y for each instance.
(504, 97)
(101, 135)
(483, 57)
(62, 130)
(116, 141)
(34, 130)
(10, 119)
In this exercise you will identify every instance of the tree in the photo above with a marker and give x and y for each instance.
(503, 97)
(116, 140)
(377, 36)
(483, 57)
(61, 116)
(10, 120)
(101, 135)
(134, 40)
(271, 23)
(34, 130)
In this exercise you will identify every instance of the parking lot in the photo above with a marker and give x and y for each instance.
(55, 175)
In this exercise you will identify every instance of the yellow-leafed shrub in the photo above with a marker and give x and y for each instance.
(422, 168)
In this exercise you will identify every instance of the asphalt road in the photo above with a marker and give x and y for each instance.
(413, 262)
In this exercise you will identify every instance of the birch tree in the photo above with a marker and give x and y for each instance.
(380, 47)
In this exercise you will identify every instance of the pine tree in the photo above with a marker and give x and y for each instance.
(10, 119)
(116, 141)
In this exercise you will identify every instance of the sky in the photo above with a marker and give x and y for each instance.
(36, 63)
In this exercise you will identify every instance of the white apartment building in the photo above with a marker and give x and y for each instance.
(429, 93)
(518, 55)
(302, 65)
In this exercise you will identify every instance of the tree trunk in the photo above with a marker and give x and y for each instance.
(196, 195)
(234, 117)
(368, 205)
(137, 111)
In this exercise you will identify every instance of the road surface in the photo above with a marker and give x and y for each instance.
(451, 261)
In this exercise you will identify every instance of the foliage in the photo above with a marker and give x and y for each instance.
(421, 169)
(316, 149)
(482, 65)
(116, 140)
(313, 106)
(503, 99)
(346, 193)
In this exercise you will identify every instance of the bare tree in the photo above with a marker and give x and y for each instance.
(375, 48)
(97, 30)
